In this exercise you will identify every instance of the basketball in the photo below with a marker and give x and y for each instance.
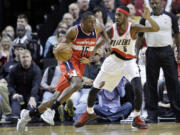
(63, 51)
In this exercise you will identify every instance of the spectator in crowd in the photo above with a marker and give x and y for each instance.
(23, 83)
(159, 54)
(55, 39)
(126, 2)
(68, 19)
(5, 45)
(49, 81)
(22, 19)
(110, 106)
(36, 49)
(10, 31)
(110, 6)
(4, 104)
(74, 10)
(133, 18)
(21, 38)
(164, 106)
(83, 6)
(102, 17)
(4, 72)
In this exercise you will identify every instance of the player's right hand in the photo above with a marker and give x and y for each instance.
(84, 60)
(146, 13)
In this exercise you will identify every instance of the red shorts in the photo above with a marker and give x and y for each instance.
(69, 68)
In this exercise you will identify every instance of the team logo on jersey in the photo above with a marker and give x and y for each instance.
(120, 42)
(123, 42)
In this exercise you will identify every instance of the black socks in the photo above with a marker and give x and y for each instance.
(55, 105)
(34, 113)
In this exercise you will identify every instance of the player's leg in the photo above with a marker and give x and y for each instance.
(133, 75)
(75, 84)
(26, 115)
(106, 79)
(137, 88)
(99, 82)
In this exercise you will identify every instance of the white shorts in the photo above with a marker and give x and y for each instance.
(112, 70)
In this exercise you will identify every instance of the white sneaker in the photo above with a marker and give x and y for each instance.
(48, 116)
(24, 119)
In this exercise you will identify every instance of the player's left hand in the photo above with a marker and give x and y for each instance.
(146, 13)
(85, 60)
(32, 102)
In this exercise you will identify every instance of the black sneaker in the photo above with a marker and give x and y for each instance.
(150, 119)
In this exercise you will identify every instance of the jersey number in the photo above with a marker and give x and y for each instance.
(84, 51)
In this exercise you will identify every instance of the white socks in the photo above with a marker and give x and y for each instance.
(90, 110)
(136, 113)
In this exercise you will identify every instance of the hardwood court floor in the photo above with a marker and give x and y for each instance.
(110, 129)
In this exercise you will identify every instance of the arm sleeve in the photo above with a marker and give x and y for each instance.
(44, 79)
(142, 21)
(174, 21)
(46, 47)
(11, 82)
(36, 81)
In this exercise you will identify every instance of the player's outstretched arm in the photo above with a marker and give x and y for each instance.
(141, 28)
(105, 38)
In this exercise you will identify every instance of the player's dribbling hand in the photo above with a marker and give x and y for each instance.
(84, 60)
(146, 13)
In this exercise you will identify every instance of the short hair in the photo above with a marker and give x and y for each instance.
(25, 51)
(19, 45)
(86, 14)
(60, 24)
(23, 16)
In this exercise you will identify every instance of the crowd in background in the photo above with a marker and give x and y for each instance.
(29, 71)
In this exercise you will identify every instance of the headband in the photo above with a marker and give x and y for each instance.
(120, 10)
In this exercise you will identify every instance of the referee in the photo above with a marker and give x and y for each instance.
(159, 54)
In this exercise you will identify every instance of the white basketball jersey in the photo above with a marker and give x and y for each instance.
(123, 44)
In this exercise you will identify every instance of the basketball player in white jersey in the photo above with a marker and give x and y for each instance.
(122, 62)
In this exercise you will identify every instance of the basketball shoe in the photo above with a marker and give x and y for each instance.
(138, 123)
(24, 119)
(48, 116)
(85, 117)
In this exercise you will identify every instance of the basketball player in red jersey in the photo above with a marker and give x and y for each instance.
(83, 38)
(123, 38)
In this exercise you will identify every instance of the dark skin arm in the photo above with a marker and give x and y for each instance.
(105, 38)
(107, 34)
(138, 46)
(141, 28)
(177, 42)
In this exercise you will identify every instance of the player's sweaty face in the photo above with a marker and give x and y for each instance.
(89, 23)
(119, 17)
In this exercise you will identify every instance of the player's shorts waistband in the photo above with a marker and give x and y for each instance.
(119, 56)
